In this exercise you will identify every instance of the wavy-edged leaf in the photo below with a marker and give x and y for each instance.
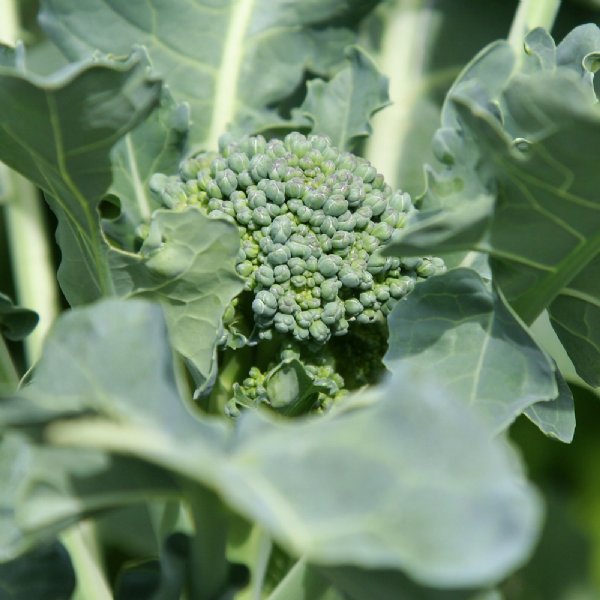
(556, 418)
(469, 513)
(549, 188)
(45, 572)
(454, 327)
(381, 584)
(212, 54)
(540, 159)
(58, 132)
(188, 264)
(16, 322)
(155, 145)
(53, 488)
(342, 107)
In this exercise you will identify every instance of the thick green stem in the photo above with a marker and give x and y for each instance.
(251, 545)
(410, 28)
(303, 582)
(531, 14)
(9, 378)
(91, 582)
(233, 366)
(34, 274)
(209, 544)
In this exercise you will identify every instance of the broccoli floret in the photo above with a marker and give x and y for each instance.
(317, 383)
(311, 220)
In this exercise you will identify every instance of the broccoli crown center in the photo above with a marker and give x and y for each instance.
(311, 219)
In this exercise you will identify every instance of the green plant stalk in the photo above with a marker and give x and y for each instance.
(304, 583)
(35, 282)
(34, 276)
(9, 378)
(209, 543)
(531, 14)
(33, 271)
(234, 365)
(410, 27)
(254, 551)
(91, 582)
(9, 23)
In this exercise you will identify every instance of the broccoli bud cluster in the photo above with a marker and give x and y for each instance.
(311, 219)
(326, 385)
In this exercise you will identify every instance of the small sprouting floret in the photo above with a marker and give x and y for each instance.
(312, 220)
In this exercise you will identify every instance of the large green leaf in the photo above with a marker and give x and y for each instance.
(155, 145)
(212, 54)
(16, 322)
(460, 331)
(412, 495)
(58, 132)
(422, 46)
(556, 418)
(45, 572)
(342, 107)
(540, 162)
(188, 264)
(46, 489)
(382, 584)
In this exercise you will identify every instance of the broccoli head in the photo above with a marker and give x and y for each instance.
(311, 220)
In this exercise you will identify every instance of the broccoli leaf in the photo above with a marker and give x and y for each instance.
(188, 264)
(342, 107)
(457, 329)
(45, 572)
(156, 145)
(211, 54)
(15, 322)
(41, 483)
(58, 131)
(468, 512)
(383, 584)
(538, 157)
(556, 418)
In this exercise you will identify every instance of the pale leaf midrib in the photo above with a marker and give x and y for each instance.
(229, 72)
(138, 187)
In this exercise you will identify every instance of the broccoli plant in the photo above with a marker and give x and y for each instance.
(312, 221)
(280, 281)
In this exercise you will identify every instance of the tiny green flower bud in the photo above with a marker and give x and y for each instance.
(382, 231)
(363, 216)
(319, 331)
(261, 216)
(368, 298)
(259, 167)
(349, 277)
(279, 255)
(335, 205)
(329, 289)
(264, 304)
(238, 162)
(274, 190)
(281, 229)
(329, 226)
(353, 307)
(218, 164)
(329, 265)
(281, 273)
(265, 276)
(332, 312)
(298, 281)
(294, 188)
